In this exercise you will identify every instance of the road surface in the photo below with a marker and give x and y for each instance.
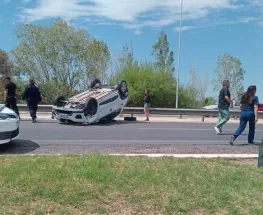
(50, 137)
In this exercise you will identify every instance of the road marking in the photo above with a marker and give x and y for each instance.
(91, 141)
(189, 129)
(193, 155)
(155, 155)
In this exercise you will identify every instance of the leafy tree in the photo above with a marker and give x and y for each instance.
(208, 101)
(126, 57)
(6, 65)
(98, 60)
(143, 76)
(164, 58)
(60, 57)
(230, 68)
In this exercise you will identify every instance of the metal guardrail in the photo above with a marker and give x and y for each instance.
(155, 111)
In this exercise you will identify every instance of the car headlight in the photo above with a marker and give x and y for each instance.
(4, 116)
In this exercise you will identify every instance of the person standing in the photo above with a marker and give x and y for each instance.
(249, 113)
(224, 104)
(10, 94)
(33, 97)
(147, 101)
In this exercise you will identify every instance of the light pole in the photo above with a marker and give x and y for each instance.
(179, 52)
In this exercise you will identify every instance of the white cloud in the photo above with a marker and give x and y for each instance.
(212, 23)
(131, 14)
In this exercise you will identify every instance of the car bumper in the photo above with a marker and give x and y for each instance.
(9, 130)
(66, 114)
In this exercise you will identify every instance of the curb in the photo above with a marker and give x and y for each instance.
(200, 156)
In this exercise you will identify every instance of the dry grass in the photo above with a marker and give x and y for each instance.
(128, 185)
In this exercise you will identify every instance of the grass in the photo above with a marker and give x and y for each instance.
(97, 184)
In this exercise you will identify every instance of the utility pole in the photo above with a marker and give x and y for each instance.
(179, 52)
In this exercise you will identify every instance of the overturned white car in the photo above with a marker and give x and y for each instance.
(98, 104)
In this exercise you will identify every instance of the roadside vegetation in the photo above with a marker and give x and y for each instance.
(64, 60)
(97, 184)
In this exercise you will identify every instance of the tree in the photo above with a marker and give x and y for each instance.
(6, 65)
(229, 68)
(197, 86)
(60, 57)
(98, 60)
(126, 57)
(141, 76)
(163, 57)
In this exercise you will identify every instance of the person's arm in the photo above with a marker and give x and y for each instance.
(256, 108)
(24, 94)
(241, 106)
(227, 97)
(6, 91)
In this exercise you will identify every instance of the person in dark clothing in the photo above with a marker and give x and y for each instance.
(224, 104)
(33, 97)
(249, 113)
(10, 95)
(147, 101)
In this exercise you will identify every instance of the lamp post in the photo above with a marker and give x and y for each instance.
(179, 52)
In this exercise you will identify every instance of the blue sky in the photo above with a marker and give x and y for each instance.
(210, 28)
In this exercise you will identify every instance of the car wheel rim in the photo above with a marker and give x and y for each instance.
(123, 87)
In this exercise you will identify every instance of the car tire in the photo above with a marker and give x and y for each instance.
(130, 118)
(123, 89)
(91, 107)
(94, 82)
(58, 101)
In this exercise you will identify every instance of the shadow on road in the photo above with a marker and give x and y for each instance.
(18, 147)
(230, 134)
(118, 122)
(112, 123)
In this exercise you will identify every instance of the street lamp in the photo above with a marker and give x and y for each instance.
(179, 52)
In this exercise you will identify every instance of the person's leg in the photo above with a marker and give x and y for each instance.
(241, 128)
(8, 103)
(252, 125)
(224, 117)
(219, 119)
(14, 106)
(146, 112)
(34, 109)
(29, 105)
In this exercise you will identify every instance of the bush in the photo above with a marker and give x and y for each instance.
(162, 86)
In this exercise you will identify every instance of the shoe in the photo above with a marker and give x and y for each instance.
(232, 140)
(34, 120)
(146, 120)
(217, 130)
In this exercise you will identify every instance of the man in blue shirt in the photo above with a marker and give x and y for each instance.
(33, 97)
(249, 113)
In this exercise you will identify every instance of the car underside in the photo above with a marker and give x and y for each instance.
(97, 104)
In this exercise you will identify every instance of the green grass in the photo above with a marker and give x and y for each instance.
(97, 184)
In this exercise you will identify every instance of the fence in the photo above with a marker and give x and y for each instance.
(155, 111)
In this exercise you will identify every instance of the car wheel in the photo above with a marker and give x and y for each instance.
(91, 107)
(123, 89)
(130, 118)
(94, 82)
(58, 101)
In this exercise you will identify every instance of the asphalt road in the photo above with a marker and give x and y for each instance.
(50, 137)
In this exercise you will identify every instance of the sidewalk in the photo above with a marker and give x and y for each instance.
(153, 118)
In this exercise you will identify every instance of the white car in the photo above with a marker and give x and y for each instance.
(99, 103)
(9, 125)
(211, 107)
